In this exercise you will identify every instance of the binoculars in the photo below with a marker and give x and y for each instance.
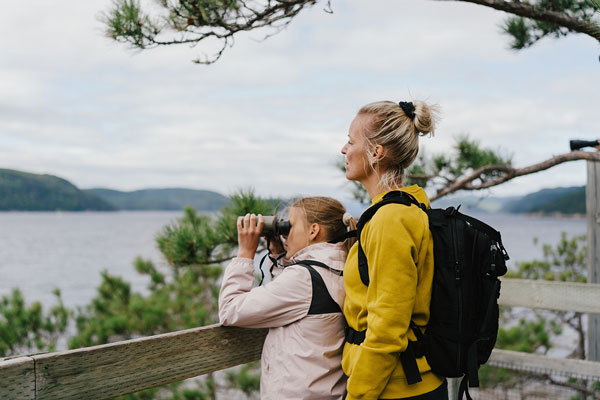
(274, 227)
(579, 144)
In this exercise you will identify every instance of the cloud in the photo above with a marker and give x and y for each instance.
(273, 114)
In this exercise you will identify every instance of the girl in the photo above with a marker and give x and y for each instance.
(301, 306)
(383, 142)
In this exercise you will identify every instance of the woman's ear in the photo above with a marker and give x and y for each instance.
(378, 152)
(314, 231)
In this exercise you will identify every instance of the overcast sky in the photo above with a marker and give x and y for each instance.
(274, 114)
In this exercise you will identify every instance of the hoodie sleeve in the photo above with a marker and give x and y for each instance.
(278, 303)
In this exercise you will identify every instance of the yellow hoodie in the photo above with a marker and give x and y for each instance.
(399, 250)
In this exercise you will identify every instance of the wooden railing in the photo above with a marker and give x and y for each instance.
(119, 368)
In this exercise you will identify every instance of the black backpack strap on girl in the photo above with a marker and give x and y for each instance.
(322, 302)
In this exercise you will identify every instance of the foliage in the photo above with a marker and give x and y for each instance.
(246, 379)
(442, 170)
(467, 156)
(528, 336)
(174, 391)
(565, 262)
(193, 21)
(171, 22)
(27, 329)
(525, 32)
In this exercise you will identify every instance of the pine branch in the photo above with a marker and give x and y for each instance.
(575, 386)
(526, 10)
(509, 173)
(190, 23)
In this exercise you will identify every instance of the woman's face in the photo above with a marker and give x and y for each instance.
(299, 235)
(355, 150)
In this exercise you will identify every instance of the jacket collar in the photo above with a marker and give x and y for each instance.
(332, 254)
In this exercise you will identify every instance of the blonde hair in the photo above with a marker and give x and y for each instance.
(331, 216)
(391, 127)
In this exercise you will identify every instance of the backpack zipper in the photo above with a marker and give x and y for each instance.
(457, 278)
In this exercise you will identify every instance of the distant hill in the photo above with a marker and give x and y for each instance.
(565, 200)
(572, 202)
(22, 191)
(569, 200)
(161, 199)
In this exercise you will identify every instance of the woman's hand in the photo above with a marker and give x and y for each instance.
(249, 229)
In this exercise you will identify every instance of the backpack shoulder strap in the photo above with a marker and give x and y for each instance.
(322, 302)
(393, 197)
(322, 265)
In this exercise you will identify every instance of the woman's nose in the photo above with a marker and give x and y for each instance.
(344, 149)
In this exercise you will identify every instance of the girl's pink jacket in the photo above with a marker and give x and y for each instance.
(301, 357)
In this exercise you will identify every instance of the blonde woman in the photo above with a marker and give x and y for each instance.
(301, 306)
(383, 141)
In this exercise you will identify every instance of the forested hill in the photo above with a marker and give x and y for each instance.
(569, 200)
(162, 199)
(22, 191)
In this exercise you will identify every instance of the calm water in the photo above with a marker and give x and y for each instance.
(42, 251)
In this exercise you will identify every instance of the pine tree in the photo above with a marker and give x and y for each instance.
(217, 22)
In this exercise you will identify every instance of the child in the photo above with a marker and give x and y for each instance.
(301, 306)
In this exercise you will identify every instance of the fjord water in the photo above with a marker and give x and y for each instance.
(41, 251)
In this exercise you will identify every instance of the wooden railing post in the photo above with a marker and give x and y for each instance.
(592, 194)
(17, 378)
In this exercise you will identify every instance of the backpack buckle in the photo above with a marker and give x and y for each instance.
(503, 252)
(450, 211)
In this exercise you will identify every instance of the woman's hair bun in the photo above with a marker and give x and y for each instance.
(426, 117)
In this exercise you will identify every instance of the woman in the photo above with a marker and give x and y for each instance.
(383, 142)
(301, 306)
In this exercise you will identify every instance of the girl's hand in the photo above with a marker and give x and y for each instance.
(275, 246)
(249, 229)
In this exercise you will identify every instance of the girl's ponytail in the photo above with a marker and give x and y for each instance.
(350, 222)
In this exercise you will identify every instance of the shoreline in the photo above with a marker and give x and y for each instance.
(554, 215)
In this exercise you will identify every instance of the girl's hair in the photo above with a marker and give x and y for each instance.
(391, 127)
(331, 215)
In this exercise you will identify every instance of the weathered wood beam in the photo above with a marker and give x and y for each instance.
(541, 364)
(110, 370)
(550, 295)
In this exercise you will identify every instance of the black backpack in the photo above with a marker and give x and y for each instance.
(463, 326)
